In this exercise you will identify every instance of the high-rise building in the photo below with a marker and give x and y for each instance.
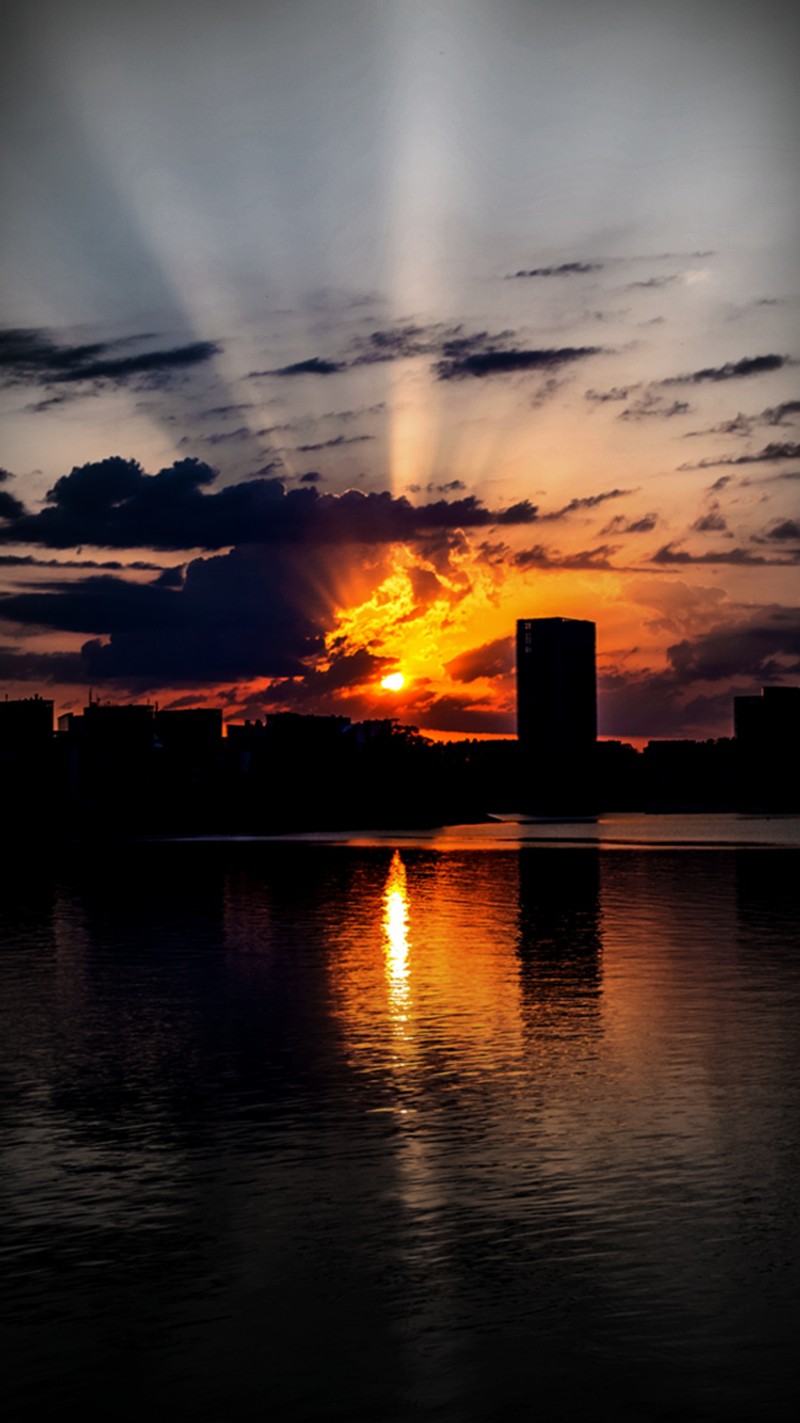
(767, 744)
(557, 712)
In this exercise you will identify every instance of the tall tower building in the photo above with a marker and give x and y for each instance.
(557, 712)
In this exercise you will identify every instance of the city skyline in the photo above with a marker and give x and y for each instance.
(337, 339)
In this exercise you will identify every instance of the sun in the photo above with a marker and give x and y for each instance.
(395, 682)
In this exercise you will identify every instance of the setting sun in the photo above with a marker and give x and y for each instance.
(395, 682)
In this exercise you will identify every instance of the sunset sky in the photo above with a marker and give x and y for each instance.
(339, 334)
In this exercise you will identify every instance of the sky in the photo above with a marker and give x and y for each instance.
(336, 335)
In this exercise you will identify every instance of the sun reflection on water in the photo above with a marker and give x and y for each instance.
(395, 925)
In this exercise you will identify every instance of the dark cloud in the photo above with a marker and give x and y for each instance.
(224, 412)
(33, 357)
(18, 665)
(617, 392)
(397, 343)
(739, 425)
(732, 370)
(589, 501)
(656, 704)
(776, 414)
(453, 486)
(712, 522)
(27, 560)
(237, 616)
(219, 437)
(347, 415)
(10, 507)
(114, 504)
(346, 671)
(314, 366)
(620, 525)
(751, 649)
(495, 361)
(775, 451)
(744, 424)
(738, 557)
(565, 269)
(152, 363)
(653, 283)
(37, 406)
(720, 483)
(455, 713)
(651, 404)
(312, 476)
(786, 529)
(334, 443)
(491, 659)
(540, 557)
(765, 647)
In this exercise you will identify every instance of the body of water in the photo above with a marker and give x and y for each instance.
(486, 1128)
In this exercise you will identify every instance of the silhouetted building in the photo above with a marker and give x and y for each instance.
(189, 731)
(557, 713)
(26, 724)
(767, 739)
(683, 775)
(26, 759)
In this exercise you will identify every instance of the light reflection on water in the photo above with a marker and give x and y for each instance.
(324, 1132)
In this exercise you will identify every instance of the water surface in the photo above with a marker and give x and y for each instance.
(394, 1132)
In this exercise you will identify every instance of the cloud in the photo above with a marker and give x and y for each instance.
(656, 704)
(347, 415)
(33, 357)
(763, 647)
(750, 649)
(617, 392)
(10, 507)
(493, 361)
(712, 522)
(589, 501)
(776, 450)
(334, 443)
(786, 529)
(744, 424)
(40, 667)
(219, 437)
(114, 504)
(540, 557)
(651, 404)
(732, 370)
(776, 414)
(314, 366)
(738, 557)
(653, 283)
(148, 363)
(620, 525)
(397, 343)
(28, 560)
(452, 486)
(346, 671)
(565, 269)
(491, 659)
(237, 616)
(223, 412)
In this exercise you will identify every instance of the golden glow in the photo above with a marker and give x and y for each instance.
(395, 682)
(395, 928)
